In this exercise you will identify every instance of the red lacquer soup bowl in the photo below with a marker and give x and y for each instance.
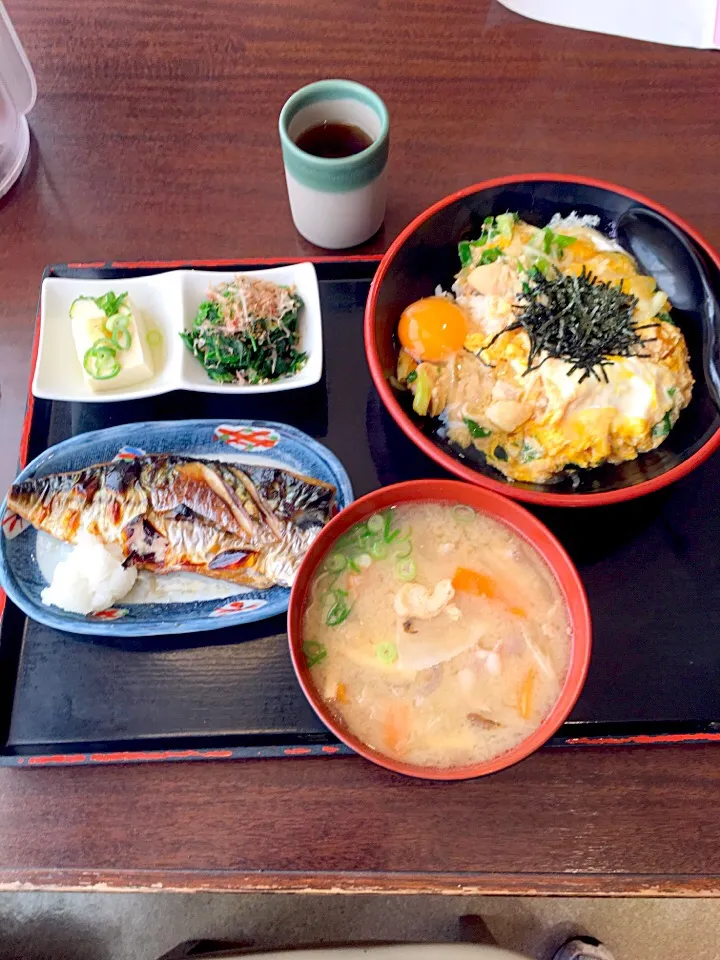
(684, 265)
(521, 522)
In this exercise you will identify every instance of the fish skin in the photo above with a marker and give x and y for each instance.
(248, 525)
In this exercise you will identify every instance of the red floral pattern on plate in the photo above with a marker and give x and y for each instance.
(247, 438)
(238, 606)
(129, 453)
(112, 613)
(13, 525)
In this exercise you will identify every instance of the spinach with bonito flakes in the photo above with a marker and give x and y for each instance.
(246, 332)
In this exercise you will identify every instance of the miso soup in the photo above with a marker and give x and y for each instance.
(436, 635)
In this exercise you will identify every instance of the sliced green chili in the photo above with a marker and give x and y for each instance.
(100, 362)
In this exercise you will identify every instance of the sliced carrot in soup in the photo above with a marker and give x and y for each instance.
(525, 695)
(482, 585)
(396, 729)
(471, 581)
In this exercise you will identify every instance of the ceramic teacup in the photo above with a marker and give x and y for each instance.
(336, 201)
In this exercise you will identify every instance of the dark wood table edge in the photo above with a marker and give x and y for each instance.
(398, 884)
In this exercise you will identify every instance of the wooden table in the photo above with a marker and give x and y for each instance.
(155, 137)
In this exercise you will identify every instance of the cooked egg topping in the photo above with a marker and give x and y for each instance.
(530, 409)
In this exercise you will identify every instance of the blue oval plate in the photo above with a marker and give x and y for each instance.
(27, 557)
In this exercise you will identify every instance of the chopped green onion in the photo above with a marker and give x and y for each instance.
(490, 255)
(666, 318)
(405, 570)
(548, 240)
(476, 431)
(423, 392)
(505, 223)
(662, 429)
(465, 253)
(543, 265)
(528, 453)
(363, 561)
(488, 222)
(561, 242)
(672, 391)
(404, 552)
(411, 377)
(336, 563)
(314, 652)
(376, 523)
(379, 550)
(462, 513)
(109, 303)
(388, 533)
(154, 338)
(100, 362)
(386, 652)
(339, 611)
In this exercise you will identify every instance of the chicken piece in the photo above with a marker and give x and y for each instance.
(413, 601)
(498, 279)
(508, 415)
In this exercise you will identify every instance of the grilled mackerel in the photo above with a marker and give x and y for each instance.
(251, 526)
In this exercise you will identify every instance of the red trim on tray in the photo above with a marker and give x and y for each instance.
(253, 261)
(455, 466)
(297, 751)
(641, 738)
(50, 759)
(129, 755)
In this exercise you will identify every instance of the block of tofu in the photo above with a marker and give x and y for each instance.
(90, 324)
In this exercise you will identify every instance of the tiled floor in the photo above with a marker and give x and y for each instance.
(36, 926)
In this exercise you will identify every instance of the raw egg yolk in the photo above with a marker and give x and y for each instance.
(432, 329)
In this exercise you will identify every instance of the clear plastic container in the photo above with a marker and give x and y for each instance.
(17, 96)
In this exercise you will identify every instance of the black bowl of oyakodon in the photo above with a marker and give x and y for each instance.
(664, 247)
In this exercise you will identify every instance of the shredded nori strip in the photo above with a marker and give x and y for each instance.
(578, 319)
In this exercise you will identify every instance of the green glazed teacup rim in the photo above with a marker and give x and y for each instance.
(334, 173)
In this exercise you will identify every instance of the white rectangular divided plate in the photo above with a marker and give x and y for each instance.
(168, 303)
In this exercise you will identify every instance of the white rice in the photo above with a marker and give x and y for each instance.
(90, 578)
(574, 219)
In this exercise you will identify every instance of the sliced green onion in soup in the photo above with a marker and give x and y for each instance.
(405, 569)
(363, 560)
(379, 550)
(314, 652)
(462, 513)
(386, 652)
(402, 550)
(336, 563)
(339, 611)
(376, 523)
